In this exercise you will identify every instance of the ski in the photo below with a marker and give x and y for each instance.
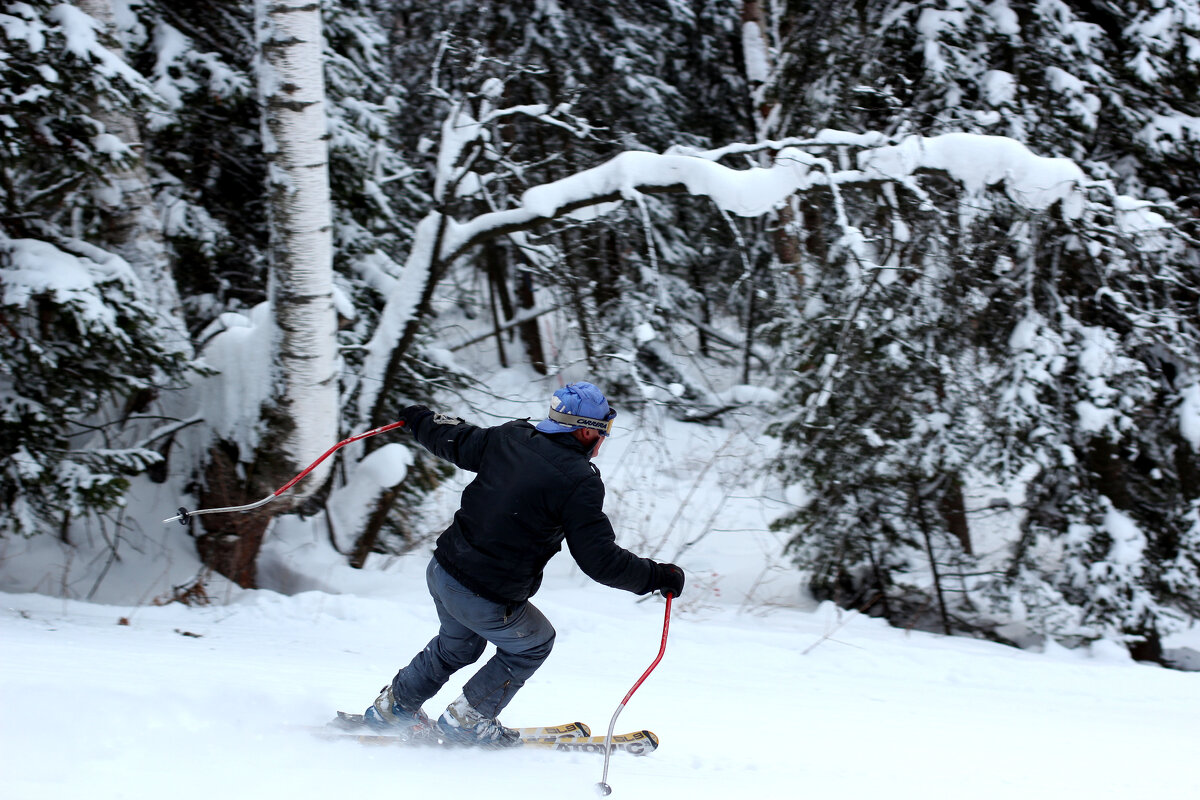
(637, 743)
(572, 737)
(355, 723)
(556, 731)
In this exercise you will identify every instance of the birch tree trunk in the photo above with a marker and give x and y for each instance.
(301, 247)
(295, 138)
(299, 422)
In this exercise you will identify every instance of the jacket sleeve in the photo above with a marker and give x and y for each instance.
(593, 544)
(447, 437)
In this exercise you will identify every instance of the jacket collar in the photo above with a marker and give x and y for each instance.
(567, 441)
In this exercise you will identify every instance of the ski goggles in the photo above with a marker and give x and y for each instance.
(604, 426)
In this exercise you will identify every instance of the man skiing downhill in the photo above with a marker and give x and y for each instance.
(535, 487)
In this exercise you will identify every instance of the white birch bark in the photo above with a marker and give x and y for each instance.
(292, 92)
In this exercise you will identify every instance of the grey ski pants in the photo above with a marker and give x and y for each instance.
(522, 635)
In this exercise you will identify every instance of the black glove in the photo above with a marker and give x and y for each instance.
(409, 414)
(666, 578)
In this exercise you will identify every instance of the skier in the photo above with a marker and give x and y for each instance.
(534, 487)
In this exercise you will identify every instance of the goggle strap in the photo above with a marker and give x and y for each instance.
(604, 426)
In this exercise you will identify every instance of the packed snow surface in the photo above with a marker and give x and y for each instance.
(139, 702)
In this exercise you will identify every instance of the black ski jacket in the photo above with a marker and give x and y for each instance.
(531, 491)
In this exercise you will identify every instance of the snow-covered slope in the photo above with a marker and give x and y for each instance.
(119, 702)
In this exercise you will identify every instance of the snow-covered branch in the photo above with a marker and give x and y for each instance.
(977, 163)
(744, 192)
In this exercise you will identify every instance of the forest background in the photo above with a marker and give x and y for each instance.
(938, 259)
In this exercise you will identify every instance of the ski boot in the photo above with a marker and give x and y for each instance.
(462, 724)
(389, 716)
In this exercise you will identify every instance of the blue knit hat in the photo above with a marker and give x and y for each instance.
(578, 405)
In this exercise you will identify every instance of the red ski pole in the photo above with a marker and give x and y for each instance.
(183, 514)
(602, 787)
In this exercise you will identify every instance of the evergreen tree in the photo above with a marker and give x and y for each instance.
(81, 351)
(1013, 350)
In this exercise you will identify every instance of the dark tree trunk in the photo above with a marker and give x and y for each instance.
(229, 543)
(927, 534)
(370, 535)
(531, 332)
(954, 511)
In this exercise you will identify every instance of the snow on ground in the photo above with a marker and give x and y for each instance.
(138, 702)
